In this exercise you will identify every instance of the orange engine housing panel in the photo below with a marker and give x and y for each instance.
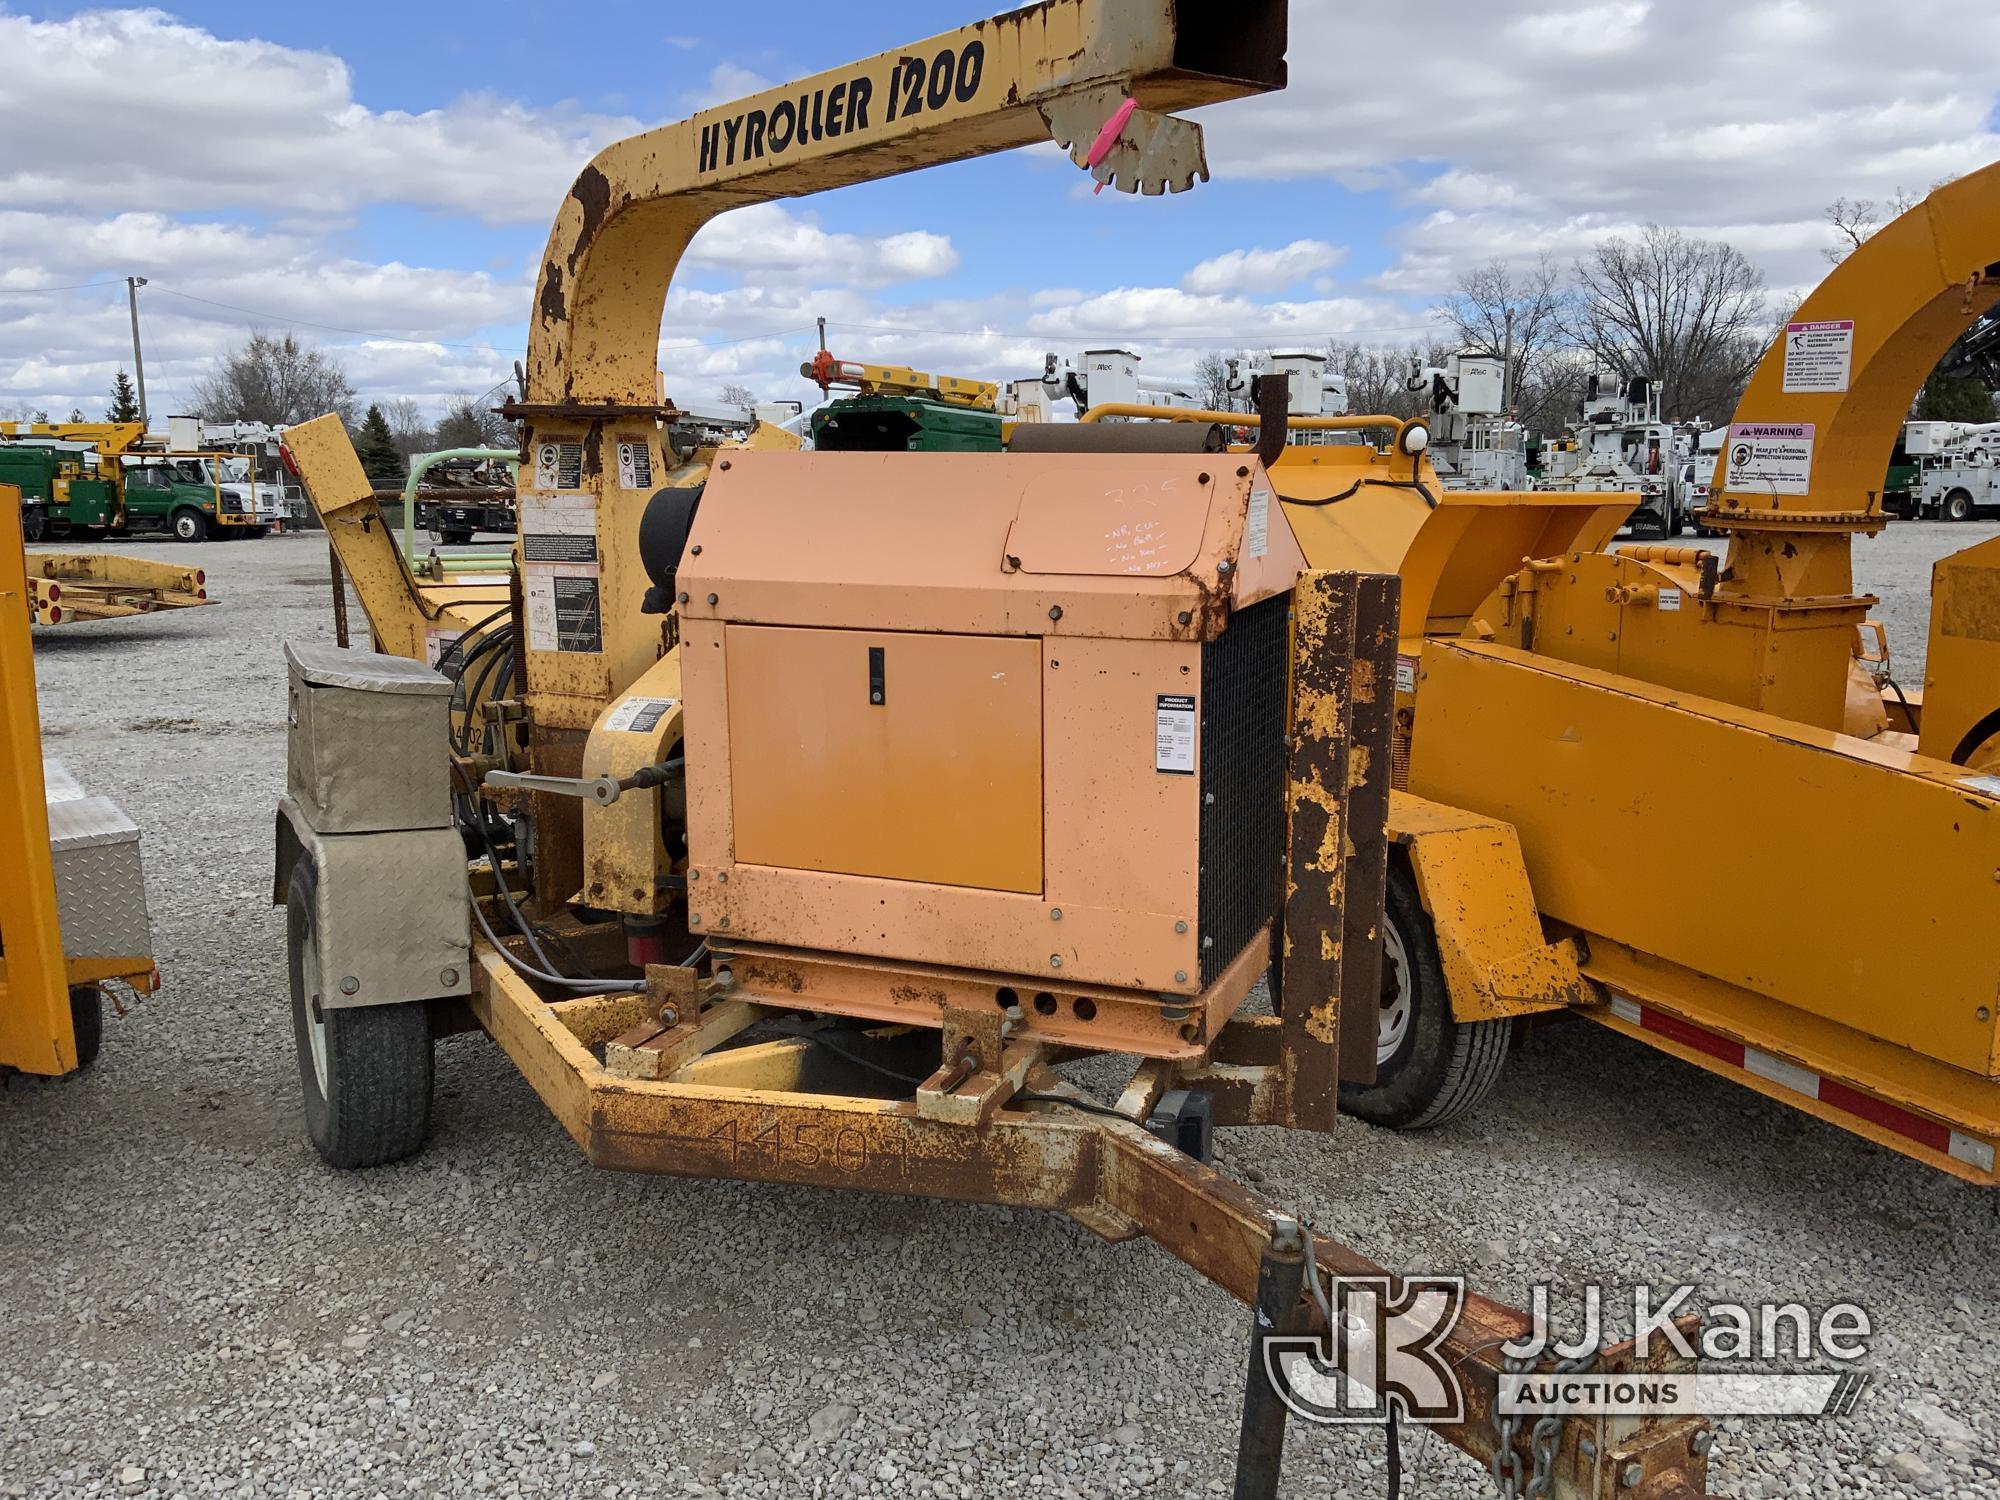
(909, 735)
(899, 754)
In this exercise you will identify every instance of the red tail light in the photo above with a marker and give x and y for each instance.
(201, 575)
(55, 592)
(55, 614)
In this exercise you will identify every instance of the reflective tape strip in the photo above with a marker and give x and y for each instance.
(1922, 1129)
(1973, 1153)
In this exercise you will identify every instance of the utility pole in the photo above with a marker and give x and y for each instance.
(1506, 370)
(132, 285)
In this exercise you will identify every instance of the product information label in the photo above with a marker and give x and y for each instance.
(558, 466)
(639, 715)
(1670, 601)
(1257, 529)
(1406, 674)
(635, 464)
(1173, 734)
(1769, 458)
(1818, 356)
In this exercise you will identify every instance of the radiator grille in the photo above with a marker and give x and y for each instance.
(1243, 694)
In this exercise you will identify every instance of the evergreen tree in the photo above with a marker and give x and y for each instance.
(376, 447)
(124, 400)
(1955, 398)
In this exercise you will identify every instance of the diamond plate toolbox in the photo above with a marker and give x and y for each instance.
(100, 883)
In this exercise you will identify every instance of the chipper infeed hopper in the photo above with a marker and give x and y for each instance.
(821, 806)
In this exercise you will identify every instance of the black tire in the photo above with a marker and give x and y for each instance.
(454, 537)
(1678, 523)
(86, 1019)
(374, 1105)
(1439, 1068)
(190, 526)
(1958, 505)
(34, 523)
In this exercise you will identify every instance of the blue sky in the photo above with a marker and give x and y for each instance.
(392, 170)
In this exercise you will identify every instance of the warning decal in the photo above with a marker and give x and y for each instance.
(1818, 356)
(635, 464)
(1173, 734)
(558, 466)
(1769, 458)
(639, 715)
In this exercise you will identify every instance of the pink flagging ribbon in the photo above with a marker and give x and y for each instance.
(1108, 137)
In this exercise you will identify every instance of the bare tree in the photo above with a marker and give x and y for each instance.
(467, 423)
(1211, 382)
(407, 427)
(734, 393)
(1688, 312)
(1855, 219)
(1517, 313)
(276, 380)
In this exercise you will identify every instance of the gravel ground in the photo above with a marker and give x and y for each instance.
(194, 1305)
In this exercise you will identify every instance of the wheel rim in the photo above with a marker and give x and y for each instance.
(1393, 1023)
(315, 1013)
(184, 528)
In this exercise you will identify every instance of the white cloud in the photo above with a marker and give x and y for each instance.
(1264, 270)
(1593, 31)
(250, 125)
(768, 240)
(726, 81)
(1702, 114)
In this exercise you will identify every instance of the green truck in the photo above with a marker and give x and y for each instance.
(68, 488)
(903, 424)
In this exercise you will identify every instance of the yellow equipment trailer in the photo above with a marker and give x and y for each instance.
(72, 896)
(1656, 787)
(822, 803)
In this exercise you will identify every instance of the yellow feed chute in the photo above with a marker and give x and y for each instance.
(1908, 293)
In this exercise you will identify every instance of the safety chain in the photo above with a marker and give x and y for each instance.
(1506, 1462)
(1541, 1440)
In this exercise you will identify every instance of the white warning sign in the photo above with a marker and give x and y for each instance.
(1257, 528)
(1768, 458)
(639, 715)
(635, 464)
(558, 466)
(1818, 356)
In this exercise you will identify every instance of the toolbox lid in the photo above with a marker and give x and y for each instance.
(58, 784)
(81, 822)
(364, 671)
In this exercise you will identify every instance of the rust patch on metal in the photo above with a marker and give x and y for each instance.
(592, 192)
(551, 304)
(770, 977)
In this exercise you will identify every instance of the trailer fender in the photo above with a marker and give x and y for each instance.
(391, 914)
(1474, 885)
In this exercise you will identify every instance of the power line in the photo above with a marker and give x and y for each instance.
(33, 291)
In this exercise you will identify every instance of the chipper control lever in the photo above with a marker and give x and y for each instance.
(603, 790)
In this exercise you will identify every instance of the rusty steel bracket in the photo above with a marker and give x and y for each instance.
(1337, 806)
(1106, 1172)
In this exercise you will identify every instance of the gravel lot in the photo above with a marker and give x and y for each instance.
(194, 1305)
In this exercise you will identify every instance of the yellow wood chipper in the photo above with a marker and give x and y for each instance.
(794, 816)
